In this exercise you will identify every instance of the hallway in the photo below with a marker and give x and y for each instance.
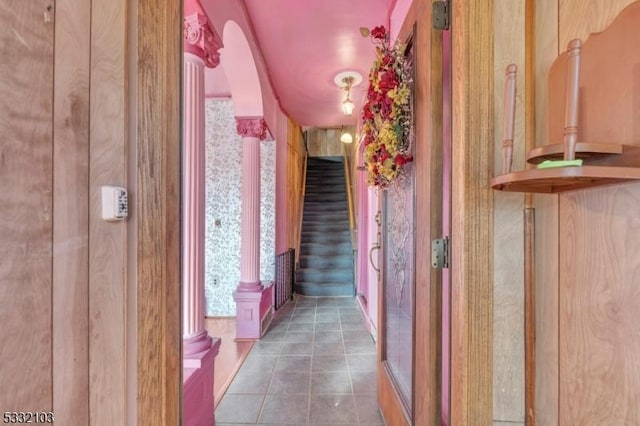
(315, 366)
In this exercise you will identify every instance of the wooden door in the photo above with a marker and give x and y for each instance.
(410, 303)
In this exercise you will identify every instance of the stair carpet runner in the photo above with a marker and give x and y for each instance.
(326, 253)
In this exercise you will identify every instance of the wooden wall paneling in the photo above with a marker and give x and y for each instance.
(296, 153)
(71, 213)
(599, 343)
(107, 240)
(324, 142)
(546, 230)
(599, 297)
(546, 312)
(472, 207)
(158, 86)
(508, 236)
(579, 18)
(26, 102)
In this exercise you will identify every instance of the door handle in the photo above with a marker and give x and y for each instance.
(374, 247)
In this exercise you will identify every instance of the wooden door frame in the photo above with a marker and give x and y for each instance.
(472, 213)
(427, 292)
(157, 105)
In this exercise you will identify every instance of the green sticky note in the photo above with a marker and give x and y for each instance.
(549, 164)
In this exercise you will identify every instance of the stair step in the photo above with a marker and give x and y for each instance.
(335, 209)
(328, 215)
(319, 172)
(324, 289)
(336, 275)
(342, 234)
(325, 197)
(316, 221)
(326, 253)
(311, 261)
(336, 204)
(344, 249)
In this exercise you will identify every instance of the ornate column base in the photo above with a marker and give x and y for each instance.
(254, 311)
(198, 386)
(196, 344)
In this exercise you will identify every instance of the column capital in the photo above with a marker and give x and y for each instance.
(201, 39)
(252, 127)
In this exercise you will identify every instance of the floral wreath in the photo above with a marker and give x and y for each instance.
(386, 115)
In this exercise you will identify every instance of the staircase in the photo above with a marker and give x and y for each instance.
(326, 253)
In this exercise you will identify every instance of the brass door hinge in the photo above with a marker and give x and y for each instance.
(440, 254)
(440, 17)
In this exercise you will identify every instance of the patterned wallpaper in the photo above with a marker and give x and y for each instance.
(223, 208)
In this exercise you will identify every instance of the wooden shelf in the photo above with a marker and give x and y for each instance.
(584, 150)
(563, 179)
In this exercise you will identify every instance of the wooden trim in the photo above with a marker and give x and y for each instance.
(472, 219)
(388, 397)
(71, 212)
(159, 56)
(427, 47)
(529, 231)
(429, 196)
(529, 316)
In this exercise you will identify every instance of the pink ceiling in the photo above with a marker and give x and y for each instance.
(306, 43)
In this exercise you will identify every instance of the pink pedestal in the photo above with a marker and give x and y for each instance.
(198, 409)
(254, 312)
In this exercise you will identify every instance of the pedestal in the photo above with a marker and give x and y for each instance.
(254, 311)
(198, 409)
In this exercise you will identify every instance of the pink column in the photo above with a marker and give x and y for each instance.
(253, 304)
(252, 130)
(199, 349)
(195, 337)
(201, 46)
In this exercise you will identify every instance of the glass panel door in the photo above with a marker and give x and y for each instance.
(399, 273)
(399, 225)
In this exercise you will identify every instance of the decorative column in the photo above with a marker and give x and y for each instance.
(252, 130)
(250, 296)
(199, 349)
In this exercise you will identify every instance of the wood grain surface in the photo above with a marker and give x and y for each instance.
(579, 18)
(71, 213)
(26, 204)
(508, 237)
(546, 231)
(472, 223)
(158, 97)
(599, 295)
(559, 228)
(296, 154)
(107, 240)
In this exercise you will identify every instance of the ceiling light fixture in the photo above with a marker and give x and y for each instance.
(347, 80)
(346, 137)
(347, 104)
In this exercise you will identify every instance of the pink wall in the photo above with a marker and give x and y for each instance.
(221, 11)
(398, 14)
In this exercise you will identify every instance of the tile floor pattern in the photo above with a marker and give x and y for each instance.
(315, 366)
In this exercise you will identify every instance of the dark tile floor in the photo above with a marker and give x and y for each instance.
(315, 366)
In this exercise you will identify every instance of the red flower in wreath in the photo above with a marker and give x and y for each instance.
(386, 115)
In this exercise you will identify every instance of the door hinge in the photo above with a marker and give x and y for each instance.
(440, 253)
(440, 15)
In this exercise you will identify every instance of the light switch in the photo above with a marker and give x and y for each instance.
(114, 203)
